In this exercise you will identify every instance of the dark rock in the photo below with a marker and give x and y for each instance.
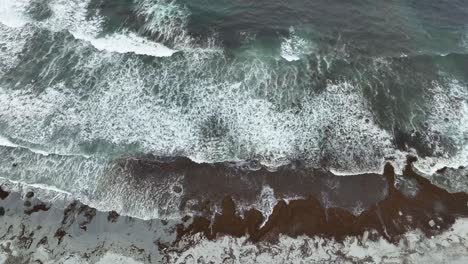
(43, 241)
(112, 216)
(59, 234)
(177, 189)
(442, 171)
(3, 194)
(88, 213)
(36, 208)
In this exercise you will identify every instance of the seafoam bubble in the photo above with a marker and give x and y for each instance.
(294, 47)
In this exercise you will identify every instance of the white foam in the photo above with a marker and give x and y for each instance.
(6, 142)
(289, 56)
(353, 173)
(130, 42)
(11, 12)
(33, 185)
(266, 201)
(295, 47)
(451, 102)
(114, 258)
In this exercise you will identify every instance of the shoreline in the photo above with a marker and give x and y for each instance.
(432, 211)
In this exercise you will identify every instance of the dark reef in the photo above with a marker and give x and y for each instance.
(432, 210)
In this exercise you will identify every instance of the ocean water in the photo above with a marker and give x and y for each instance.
(342, 85)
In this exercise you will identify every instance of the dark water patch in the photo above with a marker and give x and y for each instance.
(214, 126)
(396, 89)
(454, 64)
(444, 22)
(425, 143)
(367, 27)
(451, 13)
